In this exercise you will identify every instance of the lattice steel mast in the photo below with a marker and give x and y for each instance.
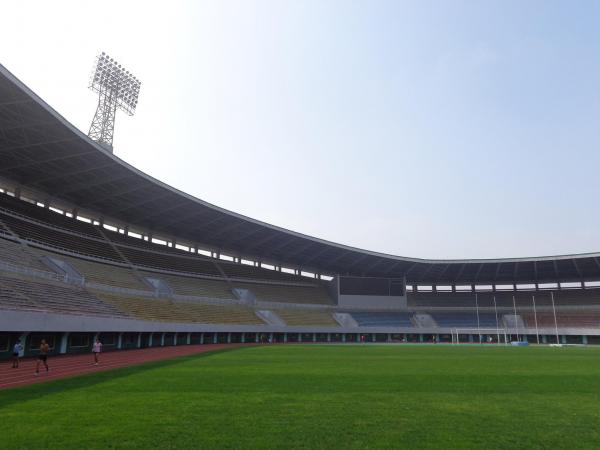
(116, 88)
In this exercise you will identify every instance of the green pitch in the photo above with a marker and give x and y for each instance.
(321, 396)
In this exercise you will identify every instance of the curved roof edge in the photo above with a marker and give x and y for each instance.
(295, 248)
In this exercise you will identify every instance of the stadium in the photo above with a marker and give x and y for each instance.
(91, 248)
(144, 265)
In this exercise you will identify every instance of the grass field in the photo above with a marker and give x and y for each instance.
(321, 396)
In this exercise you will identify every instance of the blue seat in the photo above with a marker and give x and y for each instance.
(382, 319)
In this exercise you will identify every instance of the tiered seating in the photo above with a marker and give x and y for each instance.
(4, 229)
(233, 270)
(287, 294)
(194, 286)
(521, 299)
(55, 297)
(44, 215)
(424, 300)
(53, 229)
(102, 273)
(159, 256)
(165, 261)
(308, 318)
(571, 320)
(10, 299)
(575, 297)
(465, 320)
(176, 311)
(440, 299)
(54, 237)
(14, 253)
(382, 319)
(122, 239)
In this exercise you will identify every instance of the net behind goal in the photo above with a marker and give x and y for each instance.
(480, 336)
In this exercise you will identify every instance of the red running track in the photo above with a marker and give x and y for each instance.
(63, 366)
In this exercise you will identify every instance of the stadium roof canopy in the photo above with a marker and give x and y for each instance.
(41, 151)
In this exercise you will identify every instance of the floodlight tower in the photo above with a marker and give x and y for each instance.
(116, 88)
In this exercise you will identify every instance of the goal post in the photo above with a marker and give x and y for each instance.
(480, 336)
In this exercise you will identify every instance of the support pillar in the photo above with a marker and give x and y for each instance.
(120, 341)
(139, 340)
(64, 343)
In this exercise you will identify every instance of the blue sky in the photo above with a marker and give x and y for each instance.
(427, 129)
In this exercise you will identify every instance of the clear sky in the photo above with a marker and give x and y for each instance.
(426, 129)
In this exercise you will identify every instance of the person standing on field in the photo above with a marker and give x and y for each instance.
(96, 350)
(16, 354)
(43, 357)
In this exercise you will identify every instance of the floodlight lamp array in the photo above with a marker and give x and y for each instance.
(116, 83)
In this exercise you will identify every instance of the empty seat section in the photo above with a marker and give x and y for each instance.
(234, 270)
(563, 319)
(170, 262)
(57, 297)
(424, 300)
(576, 297)
(122, 239)
(11, 299)
(440, 299)
(287, 294)
(382, 319)
(107, 274)
(198, 287)
(465, 320)
(309, 318)
(47, 216)
(178, 311)
(14, 253)
(54, 237)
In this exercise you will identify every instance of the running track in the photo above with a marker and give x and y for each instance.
(63, 366)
